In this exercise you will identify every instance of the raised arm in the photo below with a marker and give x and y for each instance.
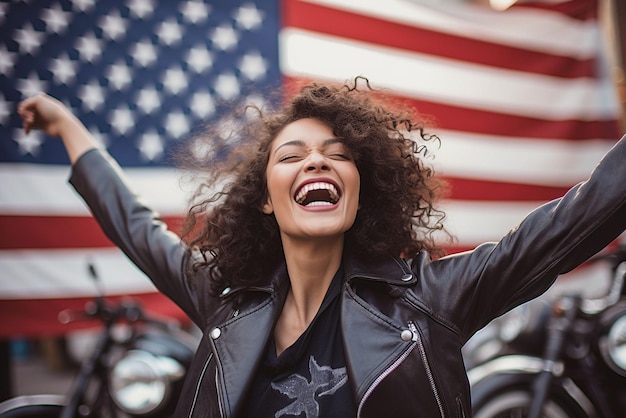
(52, 117)
(123, 216)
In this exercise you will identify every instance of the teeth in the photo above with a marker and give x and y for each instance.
(302, 194)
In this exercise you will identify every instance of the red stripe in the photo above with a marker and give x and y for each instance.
(484, 190)
(473, 120)
(39, 317)
(336, 22)
(56, 232)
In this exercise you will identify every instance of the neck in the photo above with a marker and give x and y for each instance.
(311, 266)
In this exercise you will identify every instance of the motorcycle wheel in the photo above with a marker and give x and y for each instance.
(515, 404)
(509, 396)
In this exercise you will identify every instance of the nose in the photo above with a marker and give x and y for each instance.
(316, 161)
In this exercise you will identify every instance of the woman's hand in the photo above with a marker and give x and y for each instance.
(45, 113)
(52, 117)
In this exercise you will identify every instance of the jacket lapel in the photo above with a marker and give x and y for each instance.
(372, 341)
(239, 345)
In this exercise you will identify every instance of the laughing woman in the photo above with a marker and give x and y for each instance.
(313, 273)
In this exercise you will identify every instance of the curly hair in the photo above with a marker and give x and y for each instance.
(241, 245)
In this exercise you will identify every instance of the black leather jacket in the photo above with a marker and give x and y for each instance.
(403, 322)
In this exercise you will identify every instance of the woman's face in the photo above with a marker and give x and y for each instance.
(313, 183)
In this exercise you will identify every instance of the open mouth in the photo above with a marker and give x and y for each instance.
(317, 194)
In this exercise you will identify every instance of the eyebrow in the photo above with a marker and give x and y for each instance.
(301, 143)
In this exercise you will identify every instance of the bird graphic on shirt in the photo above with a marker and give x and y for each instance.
(324, 381)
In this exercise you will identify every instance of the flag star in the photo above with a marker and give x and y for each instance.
(224, 37)
(113, 25)
(91, 95)
(56, 19)
(30, 86)
(141, 8)
(202, 105)
(150, 146)
(63, 69)
(253, 66)
(122, 119)
(83, 5)
(28, 39)
(227, 86)
(7, 60)
(176, 124)
(88, 47)
(144, 53)
(199, 59)
(249, 17)
(169, 32)
(148, 100)
(195, 11)
(29, 143)
(119, 75)
(175, 80)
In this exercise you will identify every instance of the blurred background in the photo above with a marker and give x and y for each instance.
(527, 96)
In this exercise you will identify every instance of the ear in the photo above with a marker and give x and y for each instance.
(268, 209)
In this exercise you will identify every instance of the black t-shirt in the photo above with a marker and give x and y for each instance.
(309, 378)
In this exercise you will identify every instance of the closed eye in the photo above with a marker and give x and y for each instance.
(289, 158)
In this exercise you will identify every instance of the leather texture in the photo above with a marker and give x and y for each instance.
(403, 321)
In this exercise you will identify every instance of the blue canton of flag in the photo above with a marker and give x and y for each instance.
(140, 74)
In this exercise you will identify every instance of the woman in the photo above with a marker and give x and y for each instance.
(314, 275)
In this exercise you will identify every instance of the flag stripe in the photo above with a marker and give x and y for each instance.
(23, 317)
(343, 24)
(555, 32)
(442, 80)
(468, 119)
(58, 232)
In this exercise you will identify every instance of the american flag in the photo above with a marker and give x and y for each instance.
(524, 100)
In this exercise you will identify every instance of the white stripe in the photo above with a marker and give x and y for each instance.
(33, 189)
(428, 77)
(536, 30)
(35, 274)
(472, 223)
(548, 162)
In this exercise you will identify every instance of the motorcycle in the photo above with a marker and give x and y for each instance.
(560, 357)
(136, 369)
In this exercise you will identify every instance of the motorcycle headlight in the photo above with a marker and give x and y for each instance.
(613, 345)
(140, 381)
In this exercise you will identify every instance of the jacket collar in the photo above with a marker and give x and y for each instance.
(391, 270)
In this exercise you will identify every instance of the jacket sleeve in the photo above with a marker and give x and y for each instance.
(470, 289)
(134, 228)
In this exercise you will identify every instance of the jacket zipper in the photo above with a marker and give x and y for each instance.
(429, 373)
(197, 392)
(385, 374)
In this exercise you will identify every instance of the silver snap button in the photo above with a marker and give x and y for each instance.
(407, 277)
(216, 332)
(406, 335)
